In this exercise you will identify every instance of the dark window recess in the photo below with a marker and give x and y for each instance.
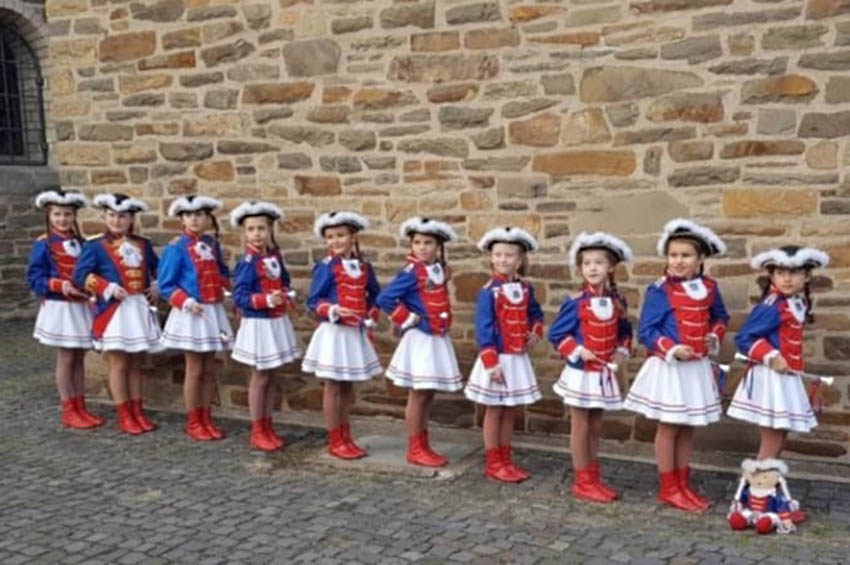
(22, 139)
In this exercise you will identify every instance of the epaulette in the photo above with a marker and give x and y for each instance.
(327, 260)
(175, 239)
(94, 237)
(249, 257)
(409, 267)
(770, 299)
(42, 237)
(660, 282)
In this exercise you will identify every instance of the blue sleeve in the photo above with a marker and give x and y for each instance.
(652, 316)
(319, 285)
(38, 268)
(486, 334)
(761, 323)
(284, 274)
(219, 257)
(535, 312)
(169, 271)
(86, 264)
(403, 283)
(243, 284)
(717, 312)
(566, 323)
(373, 289)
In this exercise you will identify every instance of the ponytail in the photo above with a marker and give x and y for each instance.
(807, 292)
(214, 221)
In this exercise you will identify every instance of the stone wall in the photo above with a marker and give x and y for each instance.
(557, 116)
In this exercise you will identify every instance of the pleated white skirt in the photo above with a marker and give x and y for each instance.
(133, 328)
(520, 386)
(202, 333)
(341, 353)
(425, 361)
(61, 323)
(589, 389)
(772, 400)
(266, 343)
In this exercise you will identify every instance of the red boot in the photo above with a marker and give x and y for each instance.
(671, 493)
(585, 487)
(765, 525)
(737, 521)
(798, 516)
(260, 438)
(212, 429)
(507, 460)
(353, 447)
(338, 447)
(195, 427)
(126, 422)
(609, 492)
(139, 415)
(684, 475)
(495, 469)
(80, 403)
(431, 452)
(276, 439)
(418, 455)
(72, 418)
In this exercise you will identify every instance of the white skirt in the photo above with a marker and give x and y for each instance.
(520, 385)
(133, 328)
(341, 353)
(681, 392)
(61, 323)
(266, 343)
(202, 333)
(589, 389)
(425, 361)
(772, 400)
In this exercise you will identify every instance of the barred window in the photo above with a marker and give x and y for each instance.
(22, 139)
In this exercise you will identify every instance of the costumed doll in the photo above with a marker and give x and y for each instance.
(508, 323)
(266, 339)
(762, 499)
(119, 268)
(592, 332)
(682, 322)
(193, 278)
(417, 301)
(342, 295)
(64, 317)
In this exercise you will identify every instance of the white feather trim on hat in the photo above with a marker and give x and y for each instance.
(119, 203)
(427, 226)
(339, 218)
(60, 197)
(508, 234)
(681, 227)
(755, 465)
(249, 209)
(192, 203)
(807, 257)
(599, 240)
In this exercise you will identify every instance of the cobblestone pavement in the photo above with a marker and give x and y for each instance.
(97, 497)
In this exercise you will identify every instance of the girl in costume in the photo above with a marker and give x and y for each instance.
(591, 332)
(342, 295)
(682, 322)
(119, 268)
(417, 301)
(508, 322)
(266, 339)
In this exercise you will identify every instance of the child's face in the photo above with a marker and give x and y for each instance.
(257, 230)
(61, 218)
(424, 247)
(506, 258)
(195, 221)
(683, 259)
(596, 266)
(789, 281)
(339, 240)
(118, 222)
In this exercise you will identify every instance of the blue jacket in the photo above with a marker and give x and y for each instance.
(51, 263)
(504, 318)
(333, 285)
(256, 276)
(192, 267)
(413, 290)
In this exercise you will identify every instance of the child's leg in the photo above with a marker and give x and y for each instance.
(192, 378)
(684, 446)
(208, 379)
(414, 412)
(772, 442)
(506, 425)
(65, 374)
(268, 409)
(135, 379)
(428, 400)
(257, 394)
(331, 404)
(492, 427)
(665, 447)
(346, 401)
(595, 432)
(79, 373)
(579, 437)
(118, 362)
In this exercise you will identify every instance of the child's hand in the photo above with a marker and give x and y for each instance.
(276, 298)
(344, 312)
(153, 294)
(779, 364)
(712, 343)
(533, 339)
(684, 353)
(619, 358)
(496, 375)
(587, 355)
(119, 294)
(68, 289)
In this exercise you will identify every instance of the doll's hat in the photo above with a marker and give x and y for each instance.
(681, 228)
(193, 203)
(508, 234)
(60, 197)
(339, 218)
(254, 208)
(756, 465)
(791, 257)
(600, 240)
(427, 226)
(118, 202)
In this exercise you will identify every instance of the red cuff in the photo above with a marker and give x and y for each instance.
(400, 314)
(374, 313)
(178, 298)
(664, 344)
(96, 284)
(719, 330)
(490, 357)
(322, 309)
(537, 328)
(55, 285)
(567, 346)
(759, 350)
(259, 301)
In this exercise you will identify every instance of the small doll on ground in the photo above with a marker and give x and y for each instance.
(64, 317)
(682, 322)
(762, 499)
(342, 295)
(119, 268)
(417, 301)
(508, 323)
(592, 332)
(193, 278)
(266, 339)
